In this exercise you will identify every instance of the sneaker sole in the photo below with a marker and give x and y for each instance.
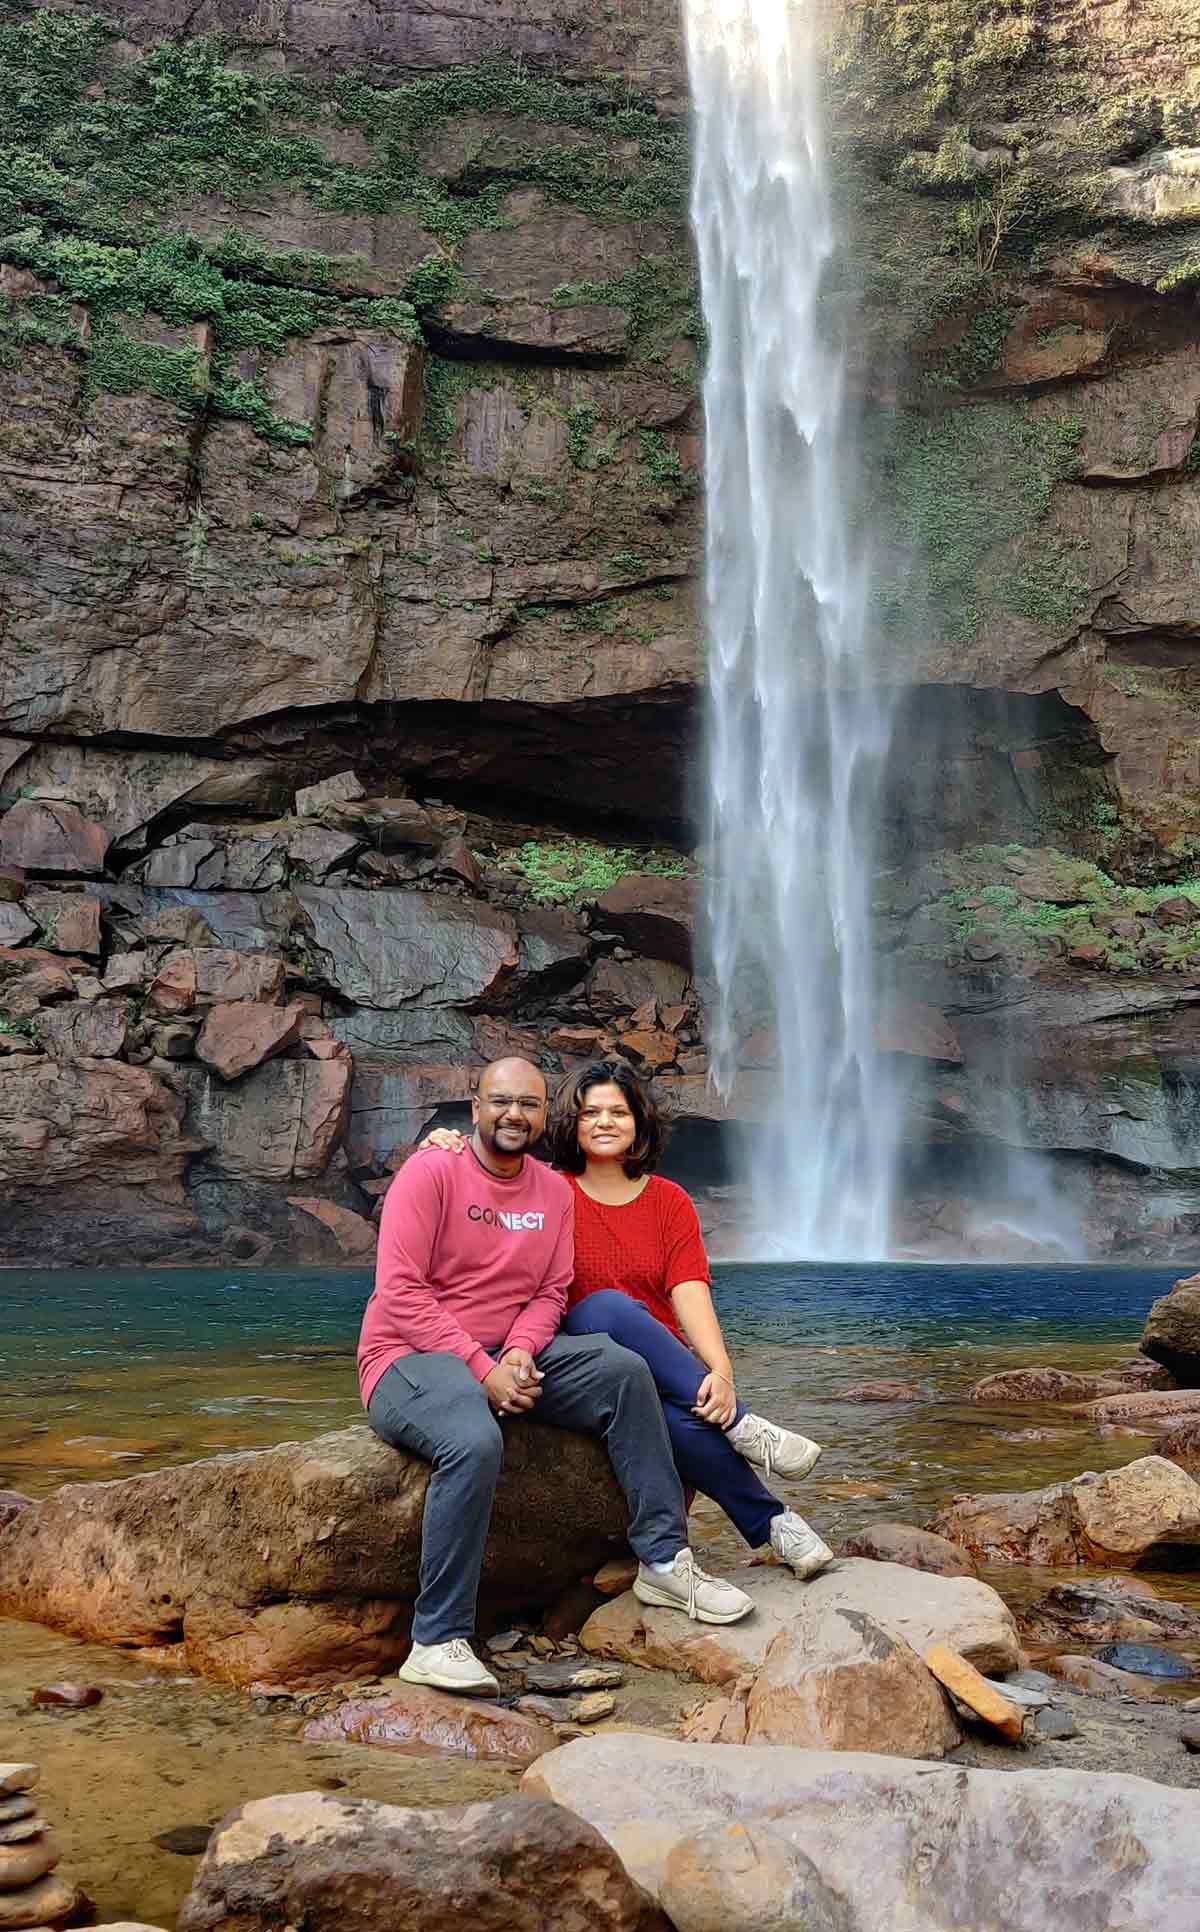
(800, 1469)
(811, 1566)
(646, 1593)
(431, 1681)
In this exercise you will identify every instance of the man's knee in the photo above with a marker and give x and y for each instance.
(622, 1368)
(477, 1443)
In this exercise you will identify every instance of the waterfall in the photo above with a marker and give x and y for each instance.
(797, 731)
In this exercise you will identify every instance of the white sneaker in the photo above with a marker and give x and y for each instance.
(450, 1667)
(797, 1544)
(776, 1451)
(685, 1586)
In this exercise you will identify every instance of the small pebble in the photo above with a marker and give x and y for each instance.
(506, 1640)
(542, 1645)
(71, 1697)
(589, 1710)
(188, 1840)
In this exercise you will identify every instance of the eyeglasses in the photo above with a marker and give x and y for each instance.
(527, 1103)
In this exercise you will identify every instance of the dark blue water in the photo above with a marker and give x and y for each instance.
(101, 1320)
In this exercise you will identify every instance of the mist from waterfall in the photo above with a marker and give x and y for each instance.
(797, 731)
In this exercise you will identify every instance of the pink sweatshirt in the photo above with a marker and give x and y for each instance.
(468, 1263)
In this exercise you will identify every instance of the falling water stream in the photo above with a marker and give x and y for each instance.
(798, 734)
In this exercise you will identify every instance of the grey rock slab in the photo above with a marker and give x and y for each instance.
(1146, 1660)
(1056, 1724)
(948, 1847)
(559, 1679)
(391, 949)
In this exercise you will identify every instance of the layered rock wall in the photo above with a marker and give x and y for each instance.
(349, 424)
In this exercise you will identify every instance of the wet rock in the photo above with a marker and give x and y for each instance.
(239, 1036)
(387, 949)
(1094, 1613)
(947, 1845)
(49, 835)
(1172, 1332)
(915, 1549)
(70, 921)
(314, 1577)
(880, 1390)
(1035, 1384)
(337, 1866)
(1146, 1406)
(1111, 1520)
(655, 916)
(173, 988)
(11, 1501)
(414, 1719)
(1146, 1660)
(71, 1697)
(355, 1237)
(386, 824)
(282, 1122)
(1181, 1444)
(1104, 1680)
(973, 1694)
(187, 1840)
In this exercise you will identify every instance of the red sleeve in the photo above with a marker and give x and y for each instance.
(409, 1311)
(540, 1319)
(686, 1258)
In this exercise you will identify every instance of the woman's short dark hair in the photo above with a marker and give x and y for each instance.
(562, 1134)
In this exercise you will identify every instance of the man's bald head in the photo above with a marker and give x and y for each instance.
(508, 1112)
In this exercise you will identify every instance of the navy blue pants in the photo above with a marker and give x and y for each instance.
(705, 1459)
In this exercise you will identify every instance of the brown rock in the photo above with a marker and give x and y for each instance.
(1036, 1385)
(355, 1237)
(613, 1579)
(125, 973)
(1110, 1520)
(1094, 1612)
(22, 1865)
(387, 824)
(72, 1697)
(916, 1549)
(83, 1030)
(967, 1686)
(617, 986)
(11, 1501)
(178, 926)
(837, 1680)
(46, 981)
(413, 1719)
(241, 1035)
(1178, 910)
(48, 835)
(15, 925)
(173, 988)
(173, 1040)
(12, 884)
(48, 1901)
(70, 921)
(1181, 1444)
(879, 1391)
(1145, 1405)
(592, 1708)
(336, 790)
(15, 1831)
(331, 1865)
(653, 915)
(17, 1777)
(281, 1124)
(907, 1026)
(1172, 1332)
(222, 975)
(734, 1877)
(1089, 1674)
(313, 1579)
(648, 1047)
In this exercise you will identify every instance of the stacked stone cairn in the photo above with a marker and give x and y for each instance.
(31, 1892)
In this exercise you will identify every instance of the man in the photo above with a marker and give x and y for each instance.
(475, 1257)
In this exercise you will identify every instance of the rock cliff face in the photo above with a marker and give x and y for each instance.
(349, 528)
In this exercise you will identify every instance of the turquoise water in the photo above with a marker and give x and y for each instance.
(56, 1321)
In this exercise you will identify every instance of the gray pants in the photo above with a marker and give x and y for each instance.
(433, 1405)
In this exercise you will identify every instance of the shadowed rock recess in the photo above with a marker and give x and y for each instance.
(350, 440)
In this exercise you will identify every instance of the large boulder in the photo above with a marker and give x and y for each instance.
(1172, 1332)
(916, 1608)
(395, 949)
(653, 914)
(904, 1845)
(1181, 1444)
(298, 1563)
(516, 1864)
(1111, 1520)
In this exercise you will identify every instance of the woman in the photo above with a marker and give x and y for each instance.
(641, 1276)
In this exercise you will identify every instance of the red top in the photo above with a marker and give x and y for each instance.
(645, 1248)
